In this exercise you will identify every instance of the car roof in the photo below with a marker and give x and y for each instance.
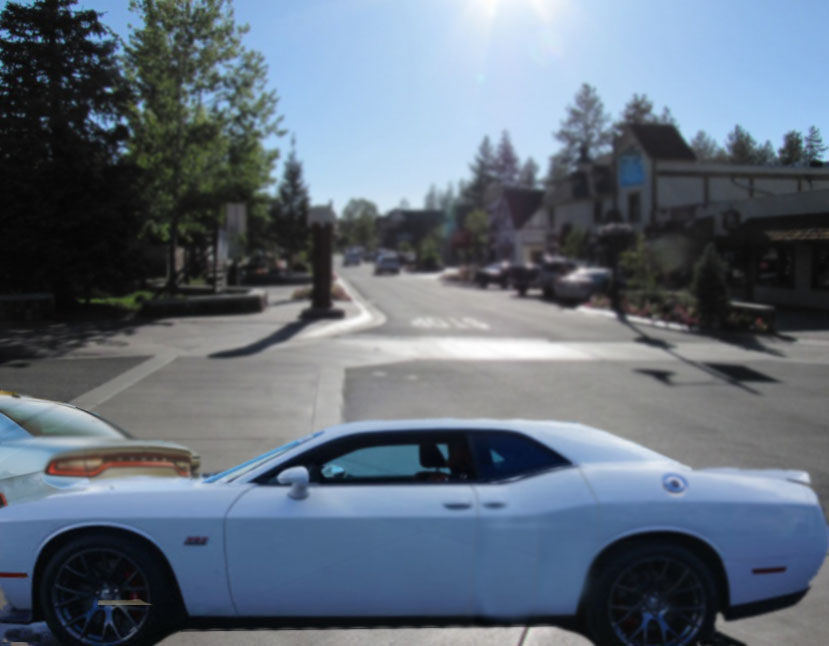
(579, 443)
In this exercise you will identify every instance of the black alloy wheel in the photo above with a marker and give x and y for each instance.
(107, 591)
(653, 595)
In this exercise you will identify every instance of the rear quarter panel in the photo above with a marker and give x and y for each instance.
(752, 523)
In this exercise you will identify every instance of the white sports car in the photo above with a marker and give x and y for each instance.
(428, 521)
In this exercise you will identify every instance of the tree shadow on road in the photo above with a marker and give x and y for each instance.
(280, 336)
(729, 377)
(56, 339)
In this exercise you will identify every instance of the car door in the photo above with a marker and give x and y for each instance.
(538, 527)
(387, 529)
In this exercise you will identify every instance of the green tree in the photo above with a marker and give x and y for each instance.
(709, 288)
(357, 224)
(289, 212)
(741, 147)
(765, 155)
(556, 170)
(706, 148)
(585, 129)
(484, 174)
(641, 265)
(791, 152)
(506, 161)
(575, 244)
(202, 114)
(527, 177)
(813, 146)
(476, 224)
(70, 211)
(432, 198)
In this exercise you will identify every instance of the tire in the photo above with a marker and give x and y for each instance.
(522, 290)
(548, 292)
(81, 621)
(642, 589)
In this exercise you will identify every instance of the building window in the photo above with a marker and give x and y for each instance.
(820, 267)
(775, 266)
(597, 211)
(634, 207)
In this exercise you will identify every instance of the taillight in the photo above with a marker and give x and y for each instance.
(93, 465)
(3, 502)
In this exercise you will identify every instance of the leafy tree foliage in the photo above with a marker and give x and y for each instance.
(506, 161)
(741, 146)
(706, 148)
(585, 129)
(201, 115)
(289, 212)
(357, 225)
(791, 152)
(576, 244)
(484, 172)
(556, 170)
(528, 175)
(709, 288)
(69, 208)
(813, 146)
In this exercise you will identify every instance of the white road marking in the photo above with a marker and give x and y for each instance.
(459, 323)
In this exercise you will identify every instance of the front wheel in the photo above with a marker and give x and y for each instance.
(107, 591)
(652, 594)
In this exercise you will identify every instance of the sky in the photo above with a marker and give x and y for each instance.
(386, 97)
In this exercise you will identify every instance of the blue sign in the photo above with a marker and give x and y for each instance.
(631, 170)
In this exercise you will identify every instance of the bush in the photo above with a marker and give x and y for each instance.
(710, 289)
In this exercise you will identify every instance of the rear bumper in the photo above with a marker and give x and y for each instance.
(762, 607)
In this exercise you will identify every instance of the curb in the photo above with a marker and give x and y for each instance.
(367, 317)
(640, 320)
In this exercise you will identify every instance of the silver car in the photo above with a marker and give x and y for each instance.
(579, 285)
(47, 446)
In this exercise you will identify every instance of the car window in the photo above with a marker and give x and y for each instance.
(45, 418)
(392, 459)
(503, 455)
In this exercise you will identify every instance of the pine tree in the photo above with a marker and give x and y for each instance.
(506, 161)
(585, 129)
(70, 208)
(791, 152)
(813, 146)
(290, 211)
(705, 148)
(529, 173)
(483, 175)
(741, 146)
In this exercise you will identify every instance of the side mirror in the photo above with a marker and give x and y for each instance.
(298, 478)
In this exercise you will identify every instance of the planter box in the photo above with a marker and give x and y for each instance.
(237, 301)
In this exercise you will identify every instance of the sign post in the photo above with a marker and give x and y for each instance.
(321, 220)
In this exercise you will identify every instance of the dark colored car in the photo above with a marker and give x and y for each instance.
(497, 273)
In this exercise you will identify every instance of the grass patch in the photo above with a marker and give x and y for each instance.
(131, 302)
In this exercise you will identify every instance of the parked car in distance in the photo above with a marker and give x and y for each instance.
(351, 257)
(579, 286)
(46, 447)
(551, 269)
(523, 276)
(387, 264)
(496, 273)
(421, 522)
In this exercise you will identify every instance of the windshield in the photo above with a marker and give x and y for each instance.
(48, 419)
(234, 473)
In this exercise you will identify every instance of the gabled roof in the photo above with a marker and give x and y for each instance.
(521, 203)
(662, 141)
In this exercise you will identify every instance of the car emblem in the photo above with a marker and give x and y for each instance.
(195, 540)
(674, 483)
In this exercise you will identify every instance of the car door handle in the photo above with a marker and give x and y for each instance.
(456, 506)
(495, 504)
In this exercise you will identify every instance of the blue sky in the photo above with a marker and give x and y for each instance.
(386, 97)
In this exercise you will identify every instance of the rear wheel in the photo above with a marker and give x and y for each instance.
(107, 591)
(653, 594)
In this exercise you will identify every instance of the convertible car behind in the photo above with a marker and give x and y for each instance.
(427, 521)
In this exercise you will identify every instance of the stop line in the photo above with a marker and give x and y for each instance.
(448, 323)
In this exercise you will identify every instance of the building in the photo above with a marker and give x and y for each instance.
(519, 224)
